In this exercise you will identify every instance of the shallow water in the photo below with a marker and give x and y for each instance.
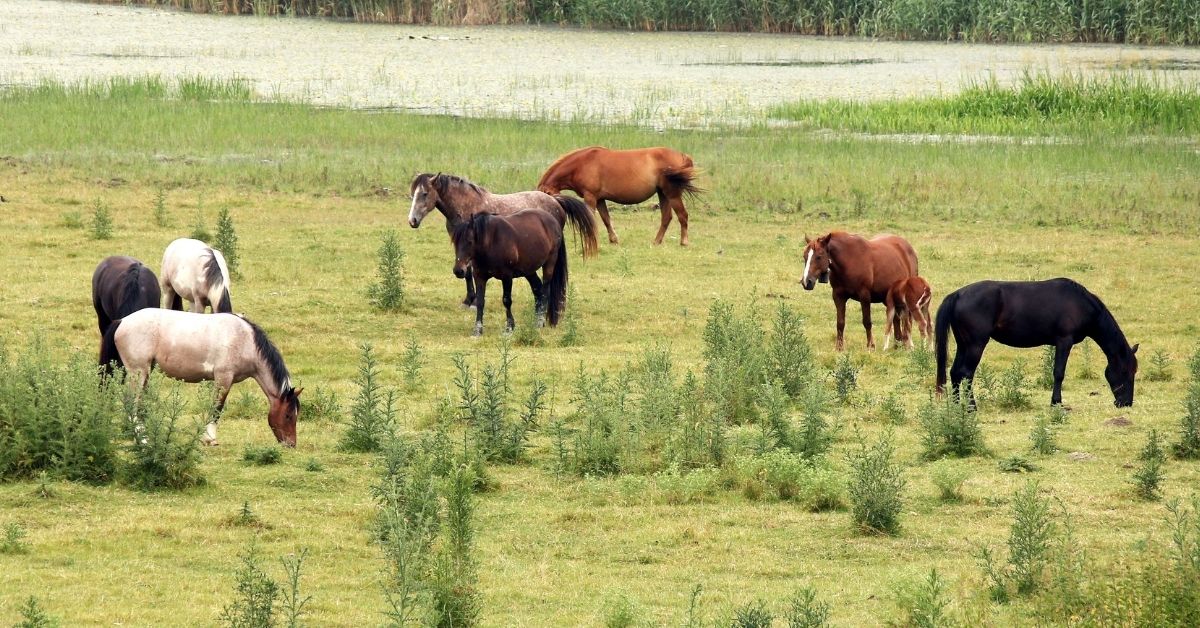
(659, 79)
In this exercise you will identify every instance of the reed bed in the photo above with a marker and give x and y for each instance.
(1125, 21)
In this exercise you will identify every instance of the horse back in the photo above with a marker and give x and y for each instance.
(187, 346)
(1026, 313)
(518, 244)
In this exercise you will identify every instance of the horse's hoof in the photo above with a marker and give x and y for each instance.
(210, 443)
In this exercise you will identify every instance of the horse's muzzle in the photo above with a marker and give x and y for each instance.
(808, 284)
(460, 272)
(414, 223)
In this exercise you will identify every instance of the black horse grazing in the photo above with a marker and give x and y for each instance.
(515, 245)
(121, 286)
(1055, 312)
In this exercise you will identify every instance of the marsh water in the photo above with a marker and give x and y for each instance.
(692, 79)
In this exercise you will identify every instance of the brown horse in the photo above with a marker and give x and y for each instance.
(627, 177)
(458, 199)
(857, 268)
(516, 245)
(908, 299)
(121, 286)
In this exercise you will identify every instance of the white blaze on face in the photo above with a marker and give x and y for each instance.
(412, 210)
(807, 264)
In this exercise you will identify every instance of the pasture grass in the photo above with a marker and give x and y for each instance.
(313, 191)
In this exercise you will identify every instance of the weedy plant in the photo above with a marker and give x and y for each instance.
(71, 220)
(920, 361)
(254, 603)
(164, 446)
(804, 610)
(789, 356)
(199, 224)
(950, 427)
(570, 320)
(1160, 367)
(411, 363)
(485, 407)
(1030, 542)
(734, 360)
(387, 293)
(1041, 437)
(1086, 370)
(102, 222)
(227, 242)
(1010, 393)
(1149, 476)
(1046, 372)
(891, 410)
(1188, 444)
(753, 614)
(455, 596)
(876, 484)
(949, 476)
(322, 405)
(527, 333)
(1057, 415)
(14, 539)
(161, 218)
(1016, 464)
(262, 455)
(373, 415)
(34, 616)
(293, 601)
(245, 517)
(845, 378)
(924, 603)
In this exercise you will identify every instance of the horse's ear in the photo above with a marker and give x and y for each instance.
(1135, 347)
(806, 240)
(296, 391)
(825, 239)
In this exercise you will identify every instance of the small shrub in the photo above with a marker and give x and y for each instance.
(322, 404)
(387, 293)
(245, 517)
(1046, 370)
(622, 611)
(949, 476)
(161, 218)
(752, 615)
(950, 427)
(816, 435)
(1030, 544)
(314, 466)
(411, 363)
(373, 415)
(920, 361)
(1188, 445)
(200, 225)
(34, 616)
(789, 356)
(527, 332)
(1016, 464)
(1148, 477)
(293, 601)
(925, 603)
(454, 584)
(806, 611)
(164, 447)
(735, 361)
(1041, 437)
(102, 222)
(1160, 367)
(789, 477)
(677, 487)
(484, 404)
(227, 242)
(72, 220)
(254, 604)
(845, 378)
(1057, 415)
(891, 410)
(1086, 370)
(1010, 393)
(14, 539)
(876, 484)
(262, 455)
(570, 321)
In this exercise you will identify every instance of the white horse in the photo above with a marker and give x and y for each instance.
(194, 271)
(222, 348)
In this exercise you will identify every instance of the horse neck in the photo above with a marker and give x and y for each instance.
(1108, 335)
(262, 375)
(458, 209)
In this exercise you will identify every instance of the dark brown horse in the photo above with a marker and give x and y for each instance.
(859, 269)
(458, 199)
(627, 177)
(121, 286)
(516, 245)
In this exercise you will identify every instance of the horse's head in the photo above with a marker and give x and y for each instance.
(282, 416)
(816, 262)
(425, 198)
(1120, 374)
(465, 237)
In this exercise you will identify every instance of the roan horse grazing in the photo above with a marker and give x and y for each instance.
(517, 245)
(459, 199)
(859, 269)
(627, 177)
(121, 286)
(908, 299)
(223, 348)
(194, 271)
(1056, 312)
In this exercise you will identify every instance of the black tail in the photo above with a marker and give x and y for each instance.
(945, 316)
(582, 221)
(109, 356)
(225, 307)
(556, 290)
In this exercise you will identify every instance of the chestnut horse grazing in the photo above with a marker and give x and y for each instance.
(859, 269)
(458, 199)
(908, 299)
(121, 286)
(516, 245)
(627, 177)
(222, 348)
(1056, 312)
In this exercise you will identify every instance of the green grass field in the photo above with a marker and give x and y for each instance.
(311, 192)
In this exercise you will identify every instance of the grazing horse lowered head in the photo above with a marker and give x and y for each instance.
(516, 245)
(1056, 312)
(222, 348)
(194, 271)
(458, 200)
(121, 286)
(628, 177)
(857, 269)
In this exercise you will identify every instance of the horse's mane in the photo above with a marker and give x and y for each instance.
(212, 270)
(131, 286)
(477, 222)
(270, 354)
(443, 182)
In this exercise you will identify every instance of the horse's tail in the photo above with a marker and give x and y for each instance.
(582, 222)
(132, 296)
(109, 356)
(683, 178)
(926, 296)
(945, 317)
(556, 290)
(215, 275)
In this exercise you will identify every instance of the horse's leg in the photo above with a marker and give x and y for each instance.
(539, 297)
(866, 318)
(890, 316)
(839, 302)
(507, 284)
(198, 304)
(906, 333)
(602, 207)
(210, 430)
(469, 301)
(170, 298)
(480, 291)
(682, 215)
(966, 360)
(1062, 351)
(664, 206)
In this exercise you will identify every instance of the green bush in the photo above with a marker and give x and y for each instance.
(845, 378)
(14, 539)
(1148, 477)
(950, 427)
(164, 446)
(949, 476)
(1041, 437)
(789, 356)
(1188, 445)
(373, 415)
(814, 484)
(806, 611)
(34, 616)
(484, 405)
(387, 293)
(1010, 393)
(1159, 369)
(875, 487)
(924, 603)
(262, 454)
(1030, 544)
(735, 360)
(254, 604)
(102, 222)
